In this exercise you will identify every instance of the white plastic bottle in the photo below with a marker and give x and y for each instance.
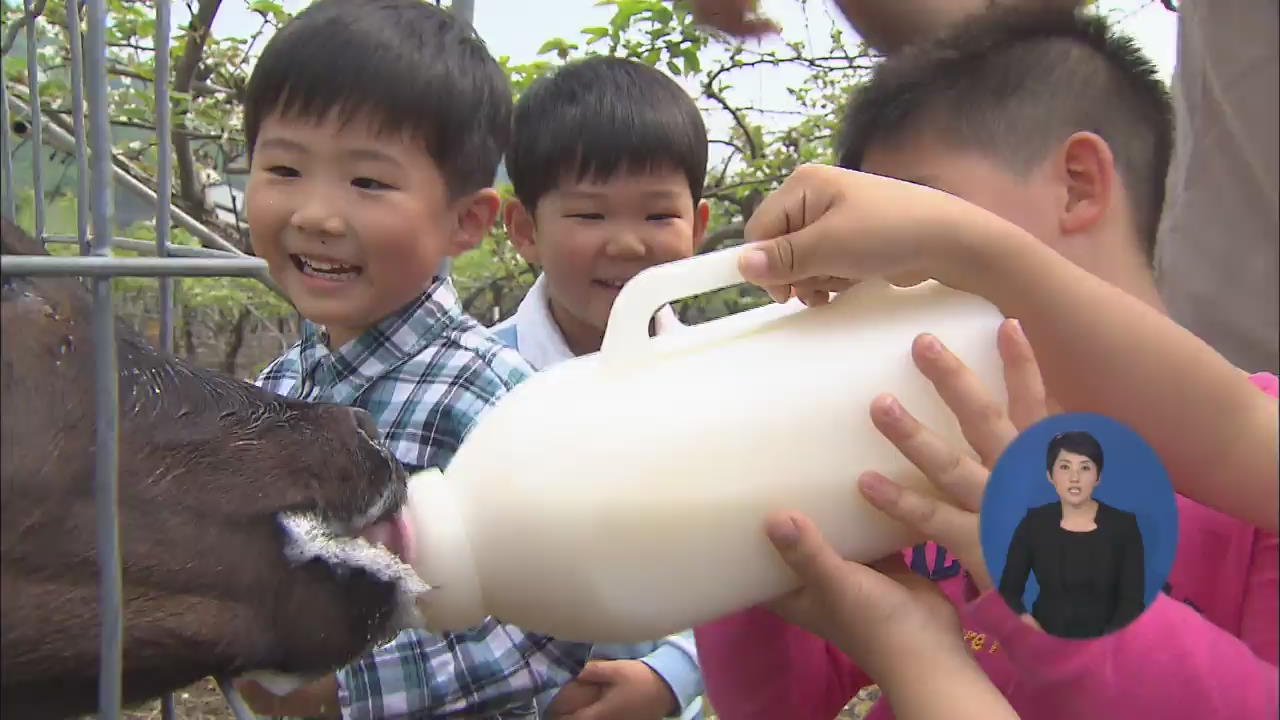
(621, 496)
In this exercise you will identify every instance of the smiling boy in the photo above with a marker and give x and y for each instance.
(363, 180)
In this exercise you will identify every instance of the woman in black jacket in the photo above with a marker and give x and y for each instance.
(1087, 556)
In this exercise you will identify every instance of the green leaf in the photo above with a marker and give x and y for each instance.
(559, 45)
(692, 64)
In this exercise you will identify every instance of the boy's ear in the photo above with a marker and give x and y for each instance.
(476, 214)
(1087, 172)
(701, 214)
(520, 229)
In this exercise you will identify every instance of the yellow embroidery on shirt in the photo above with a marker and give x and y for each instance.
(977, 640)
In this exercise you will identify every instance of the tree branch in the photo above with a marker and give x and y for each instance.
(711, 94)
(720, 238)
(118, 122)
(717, 192)
(189, 189)
(16, 27)
(197, 87)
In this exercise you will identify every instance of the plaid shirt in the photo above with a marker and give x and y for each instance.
(426, 373)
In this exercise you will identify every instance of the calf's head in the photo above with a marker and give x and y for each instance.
(239, 511)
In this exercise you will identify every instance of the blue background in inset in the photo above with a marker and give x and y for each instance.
(1133, 479)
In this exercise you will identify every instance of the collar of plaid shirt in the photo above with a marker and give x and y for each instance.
(341, 375)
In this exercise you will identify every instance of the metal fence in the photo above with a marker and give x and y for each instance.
(91, 145)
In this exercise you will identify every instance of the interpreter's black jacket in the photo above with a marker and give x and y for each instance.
(1090, 582)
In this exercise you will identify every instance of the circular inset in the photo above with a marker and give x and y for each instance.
(1079, 525)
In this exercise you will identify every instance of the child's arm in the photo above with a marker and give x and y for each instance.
(1100, 350)
(757, 665)
(896, 623)
(675, 660)
(625, 680)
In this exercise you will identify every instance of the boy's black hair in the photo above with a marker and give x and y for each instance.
(601, 115)
(1074, 441)
(414, 67)
(1017, 82)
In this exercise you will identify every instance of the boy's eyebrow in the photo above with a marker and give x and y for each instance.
(659, 194)
(372, 154)
(281, 143)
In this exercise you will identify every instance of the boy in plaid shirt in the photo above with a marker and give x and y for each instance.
(376, 127)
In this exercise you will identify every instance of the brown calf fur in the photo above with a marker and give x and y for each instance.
(206, 465)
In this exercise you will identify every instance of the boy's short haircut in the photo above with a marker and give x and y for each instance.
(417, 69)
(1017, 82)
(595, 117)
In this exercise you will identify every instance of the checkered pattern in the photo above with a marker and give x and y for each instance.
(426, 373)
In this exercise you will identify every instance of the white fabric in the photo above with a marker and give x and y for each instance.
(538, 337)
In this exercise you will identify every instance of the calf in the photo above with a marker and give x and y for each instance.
(240, 517)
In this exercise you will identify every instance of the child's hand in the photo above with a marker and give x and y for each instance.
(827, 224)
(890, 621)
(615, 690)
(735, 17)
(985, 424)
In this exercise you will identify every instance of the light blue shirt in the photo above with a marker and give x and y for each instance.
(533, 332)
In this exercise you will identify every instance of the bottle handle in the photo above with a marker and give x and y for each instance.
(628, 328)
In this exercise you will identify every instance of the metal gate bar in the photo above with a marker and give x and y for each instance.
(143, 246)
(164, 169)
(77, 123)
(9, 207)
(98, 265)
(37, 150)
(106, 389)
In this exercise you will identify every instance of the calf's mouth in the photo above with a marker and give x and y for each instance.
(378, 541)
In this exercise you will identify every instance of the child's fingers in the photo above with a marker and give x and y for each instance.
(983, 421)
(599, 672)
(785, 242)
(953, 472)
(805, 550)
(945, 524)
(1022, 378)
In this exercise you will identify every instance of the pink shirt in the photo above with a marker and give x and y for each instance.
(1206, 649)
